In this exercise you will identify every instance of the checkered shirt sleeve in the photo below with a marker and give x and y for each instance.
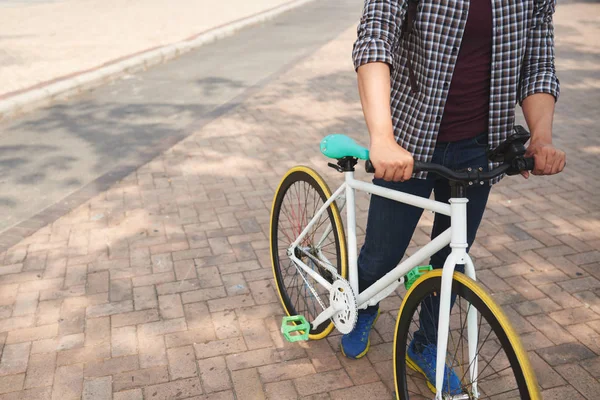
(378, 32)
(539, 74)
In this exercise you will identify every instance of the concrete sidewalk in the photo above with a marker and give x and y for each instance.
(53, 50)
(160, 287)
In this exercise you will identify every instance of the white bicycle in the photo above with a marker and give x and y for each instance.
(315, 269)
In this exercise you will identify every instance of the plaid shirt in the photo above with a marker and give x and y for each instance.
(522, 62)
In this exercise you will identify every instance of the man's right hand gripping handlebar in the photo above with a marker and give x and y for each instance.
(390, 161)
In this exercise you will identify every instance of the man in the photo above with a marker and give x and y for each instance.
(445, 91)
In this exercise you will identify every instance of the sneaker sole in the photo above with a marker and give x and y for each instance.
(412, 365)
(361, 355)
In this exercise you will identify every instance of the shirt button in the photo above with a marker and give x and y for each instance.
(454, 50)
(445, 84)
(438, 118)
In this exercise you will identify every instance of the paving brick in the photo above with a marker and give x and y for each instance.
(214, 374)
(75, 275)
(83, 354)
(574, 316)
(262, 292)
(225, 324)
(120, 290)
(535, 340)
(219, 347)
(247, 384)
(170, 306)
(560, 296)
(580, 379)
(9, 324)
(539, 306)
(111, 366)
(209, 276)
(184, 338)
(68, 383)
(586, 335)
(256, 334)
(145, 297)
(361, 371)
(560, 393)
(36, 286)
(581, 284)
(322, 382)
(97, 282)
(565, 353)
(139, 378)
(162, 327)
(14, 358)
(26, 303)
(229, 303)
(133, 394)
(162, 263)
(180, 389)
(525, 288)
(11, 383)
(182, 362)
(152, 350)
(281, 391)
(40, 372)
(184, 270)
(368, 391)
(178, 287)
(153, 279)
(253, 358)
(192, 254)
(97, 331)
(585, 258)
(286, 370)
(97, 388)
(203, 295)
(44, 393)
(102, 310)
(48, 312)
(241, 266)
(134, 318)
(551, 329)
(124, 341)
(32, 334)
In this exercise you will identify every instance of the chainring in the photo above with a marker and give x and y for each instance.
(342, 298)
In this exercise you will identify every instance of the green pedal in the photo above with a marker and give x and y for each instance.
(415, 274)
(295, 328)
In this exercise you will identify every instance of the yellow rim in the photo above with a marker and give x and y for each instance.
(513, 338)
(338, 226)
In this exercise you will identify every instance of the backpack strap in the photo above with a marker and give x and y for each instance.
(411, 14)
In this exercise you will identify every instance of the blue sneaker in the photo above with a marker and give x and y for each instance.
(424, 363)
(356, 343)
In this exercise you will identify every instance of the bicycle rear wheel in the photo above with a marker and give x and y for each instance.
(504, 371)
(301, 193)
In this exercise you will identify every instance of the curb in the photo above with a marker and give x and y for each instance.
(42, 96)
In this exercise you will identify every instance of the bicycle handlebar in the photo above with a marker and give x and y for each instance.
(471, 175)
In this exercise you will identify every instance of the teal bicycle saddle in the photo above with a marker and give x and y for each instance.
(339, 146)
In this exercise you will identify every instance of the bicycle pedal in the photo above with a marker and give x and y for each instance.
(415, 274)
(295, 328)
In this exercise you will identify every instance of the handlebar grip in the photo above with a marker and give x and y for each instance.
(418, 167)
(529, 163)
(369, 167)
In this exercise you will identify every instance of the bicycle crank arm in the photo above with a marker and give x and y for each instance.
(324, 316)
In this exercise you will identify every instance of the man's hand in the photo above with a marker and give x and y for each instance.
(548, 159)
(391, 161)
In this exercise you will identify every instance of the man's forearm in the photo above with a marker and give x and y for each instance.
(374, 88)
(538, 110)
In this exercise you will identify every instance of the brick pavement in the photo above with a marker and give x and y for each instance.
(160, 288)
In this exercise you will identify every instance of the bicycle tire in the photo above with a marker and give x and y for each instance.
(310, 180)
(475, 295)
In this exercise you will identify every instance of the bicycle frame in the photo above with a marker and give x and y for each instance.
(455, 236)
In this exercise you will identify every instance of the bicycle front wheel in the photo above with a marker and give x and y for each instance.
(300, 195)
(503, 368)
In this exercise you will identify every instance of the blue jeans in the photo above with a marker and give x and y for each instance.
(391, 225)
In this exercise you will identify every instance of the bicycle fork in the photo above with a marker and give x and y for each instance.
(457, 256)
